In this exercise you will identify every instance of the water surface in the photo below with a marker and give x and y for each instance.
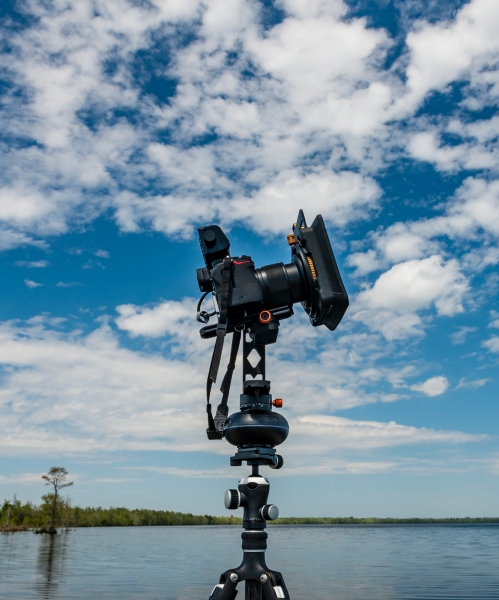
(363, 562)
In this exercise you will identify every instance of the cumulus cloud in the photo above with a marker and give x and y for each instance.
(339, 197)
(413, 285)
(391, 304)
(444, 52)
(435, 386)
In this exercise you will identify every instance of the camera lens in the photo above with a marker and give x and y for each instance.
(281, 284)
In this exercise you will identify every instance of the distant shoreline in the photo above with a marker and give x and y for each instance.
(298, 521)
(25, 516)
(381, 521)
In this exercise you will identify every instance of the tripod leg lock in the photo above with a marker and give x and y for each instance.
(274, 587)
(226, 591)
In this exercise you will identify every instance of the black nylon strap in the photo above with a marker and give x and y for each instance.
(213, 432)
(223, 408)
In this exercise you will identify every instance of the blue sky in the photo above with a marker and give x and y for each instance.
(126, 125)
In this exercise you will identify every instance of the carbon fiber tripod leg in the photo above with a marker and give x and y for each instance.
(261, 582)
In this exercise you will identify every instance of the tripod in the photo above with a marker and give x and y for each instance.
(240, 292)
(255, 430)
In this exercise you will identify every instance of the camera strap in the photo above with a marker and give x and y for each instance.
(214, 431)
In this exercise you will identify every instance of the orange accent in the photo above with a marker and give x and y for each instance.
(265, 317)
(291, 239)
(277, 402)
(312, 267)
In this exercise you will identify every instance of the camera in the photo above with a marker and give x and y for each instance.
(263, 296)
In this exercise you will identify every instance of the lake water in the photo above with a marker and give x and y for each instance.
(419, 562)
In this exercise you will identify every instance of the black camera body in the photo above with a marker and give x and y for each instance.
(312, 278)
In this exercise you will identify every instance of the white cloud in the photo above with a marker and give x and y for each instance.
(37, 264)
(472, 214)
(22, 478)
(71, 393)
(337, 432)
(492, 344)
(435, 386)
(114, 480)
(32, 284)
(170, 318)
(443, 52)
(459, 336)
(68, 284)
(390, 305)
(416, 284)
(471, 384)
(340, 198)
(102, 254)
(364, 262)
(202, 473)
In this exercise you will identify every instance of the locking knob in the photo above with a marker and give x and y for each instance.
(232, 499)
(278, 462)
(269, 512)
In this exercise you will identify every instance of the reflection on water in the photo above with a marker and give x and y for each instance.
(50, 564)
(318, 563)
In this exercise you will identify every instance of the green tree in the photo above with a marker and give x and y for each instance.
(56, 479)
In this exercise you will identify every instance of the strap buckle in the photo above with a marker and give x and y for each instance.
(222, 326)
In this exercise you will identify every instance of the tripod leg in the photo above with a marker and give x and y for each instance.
(226, 589)
(253, 590)
(275, 587)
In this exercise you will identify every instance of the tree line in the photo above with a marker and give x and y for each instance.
(18, 515)
(30, 516)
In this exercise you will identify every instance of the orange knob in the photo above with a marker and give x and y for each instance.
(265, 317)
(277, 402)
